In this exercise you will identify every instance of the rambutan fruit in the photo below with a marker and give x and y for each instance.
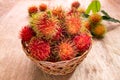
(73, 25)
(66, 50)
(45, 26)
(32, 9)
(26, 33)
(98, 31)
(82, 42)
(42, 7)
(59, 12)
(87, 24)
(75, 4)
(95, 18)
(39, 49)
(58, 34)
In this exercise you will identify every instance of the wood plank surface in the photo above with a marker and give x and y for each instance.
(102, 62)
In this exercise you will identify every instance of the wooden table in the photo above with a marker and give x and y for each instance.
(102, 62)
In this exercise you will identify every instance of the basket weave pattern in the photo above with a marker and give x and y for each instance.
(57, 68)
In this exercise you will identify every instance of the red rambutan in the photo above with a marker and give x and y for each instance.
(43, 7)
(32, 9)
(26, 33)
(59, 12)
(58, 34)
(75, 4)
(82, 42)
(66, 50)
(39, 49)
(73, 25)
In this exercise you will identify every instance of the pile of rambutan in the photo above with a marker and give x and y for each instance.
(95, 26)
(55, 34)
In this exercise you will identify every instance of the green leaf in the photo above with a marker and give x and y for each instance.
(89, 8)
(85, 15)
(105, 13)
(108, 18)
(95, 6)
(98, 6)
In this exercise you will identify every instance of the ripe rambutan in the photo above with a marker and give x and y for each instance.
(58, 34)
(66, 50)
(87, 24)
(26, 33)
(59, 12)
(95, 18)
(75, 4)
(98, 31)
(82, 42)
(43, 7)
(39, 49)
(73, 25)
(44, 26)
(32, 9)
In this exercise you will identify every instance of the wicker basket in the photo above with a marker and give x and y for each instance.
(57, 68)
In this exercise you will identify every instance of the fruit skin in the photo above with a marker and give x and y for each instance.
(95, 18)
(58, 35)
(66, 50)
(75, 4)
(82, 42)
(45, 26)
(73, 25)
(87, 24)
(26, 33)
(32, 9)
(42, 7)
(59, 12)
(39, 49)
(98, 31)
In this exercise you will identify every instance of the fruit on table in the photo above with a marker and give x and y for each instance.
(98, 31)
(95, 18)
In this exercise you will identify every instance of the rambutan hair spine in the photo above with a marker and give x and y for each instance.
(66, 50)
(39, 49)
(83, 42)
(27, 33)
(73, 24)
(45, 26)
(32, 10)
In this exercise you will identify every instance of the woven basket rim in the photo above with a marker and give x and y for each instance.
(28, 54)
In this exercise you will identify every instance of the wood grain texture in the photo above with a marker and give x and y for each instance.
(102, 62)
